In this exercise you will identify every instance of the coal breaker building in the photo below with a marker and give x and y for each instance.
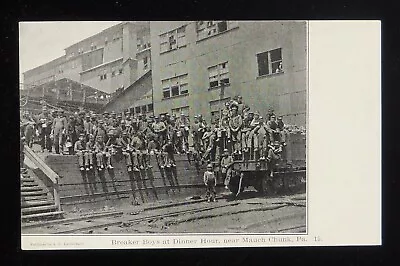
(199, 65)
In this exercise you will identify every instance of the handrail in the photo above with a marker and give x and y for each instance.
(52, 176)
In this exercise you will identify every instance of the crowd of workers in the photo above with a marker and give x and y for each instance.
(238, 133)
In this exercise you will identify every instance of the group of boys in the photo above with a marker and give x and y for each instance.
(237, 133)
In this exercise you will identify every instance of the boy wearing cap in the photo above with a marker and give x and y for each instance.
(182, 124)
(111, 147)
(269, 114)
(88, 126)
(29, 132)
(226, 161)
(89, 153)
(100, 149)
(45, 121)
(136, 145)
(246, 132)
(58, 130)
(271, 128)
(282, 130)
(253, 139)
(79, 149)
(168, 150)
(211, 182)
(235, 124)
(274, 154)
(160, 129)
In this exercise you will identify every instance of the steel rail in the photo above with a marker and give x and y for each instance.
(129, 222)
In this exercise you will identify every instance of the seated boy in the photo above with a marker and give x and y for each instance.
(89, 153)
(226, 161)
(79, 150)
(274, 154)
(168, 149)
(101, 151)
(123, 142)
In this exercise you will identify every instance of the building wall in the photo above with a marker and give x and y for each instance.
(136, 95)
(43, 73)
(111, 83)
(86, 60)
(285, 92)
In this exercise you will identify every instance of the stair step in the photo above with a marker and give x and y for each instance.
(38, 209)
(31, 189)
(39, 216)
(33, 193)
(32, 198)
(29, 184)
(28, 180)
(36, 203)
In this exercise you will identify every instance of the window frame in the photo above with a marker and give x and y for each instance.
(270, 63)
(164, 39)
(181, 82)
(209, 28)
(218, 75)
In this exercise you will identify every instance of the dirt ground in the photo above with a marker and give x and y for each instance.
(250, 213)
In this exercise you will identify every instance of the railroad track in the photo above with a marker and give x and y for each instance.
(130, 222)
(106, 220)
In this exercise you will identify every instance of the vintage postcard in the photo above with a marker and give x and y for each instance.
(187, 134)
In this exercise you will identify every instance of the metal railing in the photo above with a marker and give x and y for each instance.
(52, 177)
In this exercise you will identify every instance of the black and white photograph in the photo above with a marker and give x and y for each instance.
(150, 127)
(188, 134)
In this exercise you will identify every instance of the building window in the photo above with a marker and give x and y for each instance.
(173, 40)
(270, 62)
(144, 108)
(143, 42)
(145, 63)
(207, 29)
(116, 37)
(150, 107)
(218, 75)
(137, 109)
(103, 75)
(175, 86)
(180, 110)
(93, 46)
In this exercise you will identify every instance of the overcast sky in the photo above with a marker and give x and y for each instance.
(41, 42)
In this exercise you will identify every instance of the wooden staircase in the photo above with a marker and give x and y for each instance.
(36, 203)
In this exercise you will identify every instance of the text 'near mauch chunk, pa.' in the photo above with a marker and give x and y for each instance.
(212, 241)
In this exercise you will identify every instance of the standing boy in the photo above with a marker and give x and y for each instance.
(211, 182)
